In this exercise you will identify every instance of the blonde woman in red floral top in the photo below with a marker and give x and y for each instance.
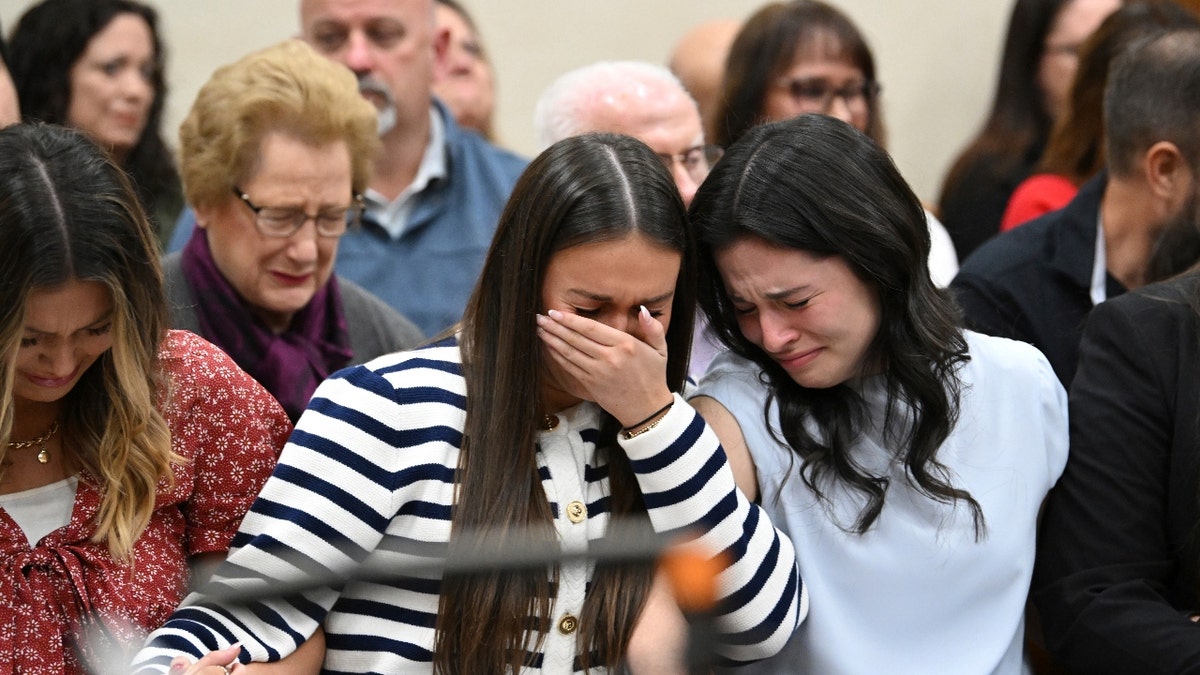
(128, 454)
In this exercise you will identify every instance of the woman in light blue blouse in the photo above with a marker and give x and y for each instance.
(907, 458)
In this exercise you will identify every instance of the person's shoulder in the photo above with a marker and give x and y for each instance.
(1011, 252)
(180, 346)
(191, 360)
(1169, 307)
(365, 311)
(200, 371)
(480, 153)
(436, 365)
(1179, 296)
(730, 375)
(1004, 359)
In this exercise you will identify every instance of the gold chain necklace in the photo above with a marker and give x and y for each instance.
(43, 456)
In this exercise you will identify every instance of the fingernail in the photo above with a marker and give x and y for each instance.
(177, 667)
(555, 314)
(540, 318)
(645, 313)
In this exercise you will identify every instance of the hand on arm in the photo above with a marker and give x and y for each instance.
(729, 432)
(306, 660)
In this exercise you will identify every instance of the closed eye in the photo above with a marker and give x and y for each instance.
(100, 330)
(581, 311)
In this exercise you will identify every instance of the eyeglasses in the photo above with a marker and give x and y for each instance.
(282, 223)
(1062, 49)
(817, 94)
(696, 161)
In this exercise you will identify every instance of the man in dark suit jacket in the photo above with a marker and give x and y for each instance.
(1117, 567)
(1038, 282)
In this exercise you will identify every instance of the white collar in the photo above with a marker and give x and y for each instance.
(392, 215)
(1099, 266)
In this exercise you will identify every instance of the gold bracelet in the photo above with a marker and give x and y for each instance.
(650, 422)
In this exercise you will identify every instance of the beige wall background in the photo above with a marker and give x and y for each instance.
(937, 59)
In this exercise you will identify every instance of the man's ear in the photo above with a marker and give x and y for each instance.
(441, 52)
(1168, 173)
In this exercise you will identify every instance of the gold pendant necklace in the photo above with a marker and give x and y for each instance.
(43, 456)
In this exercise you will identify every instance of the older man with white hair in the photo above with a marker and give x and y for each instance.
(637, 99)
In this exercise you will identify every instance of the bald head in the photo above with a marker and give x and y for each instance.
(637, 99)
(699, 61)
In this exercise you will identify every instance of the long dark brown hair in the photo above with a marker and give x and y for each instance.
(769, 43)
(815, 184)
(1018, 123)
(597, 187)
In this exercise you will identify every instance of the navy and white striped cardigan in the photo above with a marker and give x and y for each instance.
(368, 479)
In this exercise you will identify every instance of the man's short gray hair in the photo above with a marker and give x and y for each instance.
(564, 107)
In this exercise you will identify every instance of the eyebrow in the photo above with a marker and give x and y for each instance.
(605, 298)
(107, 316)
(774, 295)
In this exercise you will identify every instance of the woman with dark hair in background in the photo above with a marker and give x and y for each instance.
(127, 451)
(806, 56)
(906, 457)
(553, 414)
(97, 65)
(1075, 152)
(1041, 54)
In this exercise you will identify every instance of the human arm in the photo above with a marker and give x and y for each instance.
(322, 512)
(229, 430)
(306, 660)
(729, 432)
(1110, 565)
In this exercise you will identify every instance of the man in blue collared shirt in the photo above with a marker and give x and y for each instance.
(437, 190)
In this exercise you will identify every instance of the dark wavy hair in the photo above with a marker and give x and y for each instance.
(66, 212)
(817, 185)
(45, 44)
(584, 189)
(769, 43)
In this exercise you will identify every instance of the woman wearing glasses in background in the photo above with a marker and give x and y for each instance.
(816, 61)
(274, 153)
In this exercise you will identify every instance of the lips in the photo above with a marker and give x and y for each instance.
(798, 359)
(51, 382)
(286, 279)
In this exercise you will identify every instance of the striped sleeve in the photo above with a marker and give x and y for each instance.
(689, 488)
(345, 477)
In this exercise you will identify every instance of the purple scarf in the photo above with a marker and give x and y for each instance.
(290, 365)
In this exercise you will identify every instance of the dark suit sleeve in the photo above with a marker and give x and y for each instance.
(1106, 559)
(989, 308)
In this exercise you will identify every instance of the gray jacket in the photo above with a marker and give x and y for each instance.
(375, 328)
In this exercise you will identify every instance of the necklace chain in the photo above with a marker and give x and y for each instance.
(40, 440)
(43, 456)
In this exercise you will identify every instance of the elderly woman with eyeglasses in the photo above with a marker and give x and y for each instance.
(274, 154)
